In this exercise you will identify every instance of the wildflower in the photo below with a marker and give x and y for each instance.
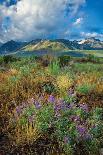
(57, 107)
(84, 107)
(81, 129)
(18, 110)
(37, 105)
(76, 119)
(64, 82)
(70, 106)
(51, 99)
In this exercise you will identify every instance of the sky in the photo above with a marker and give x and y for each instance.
(25, 20)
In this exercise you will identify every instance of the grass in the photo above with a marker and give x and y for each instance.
(96, 53)
(54, 104)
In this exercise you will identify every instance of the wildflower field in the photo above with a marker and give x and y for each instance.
(51, 105)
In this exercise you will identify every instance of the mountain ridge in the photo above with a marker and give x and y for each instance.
(91, 43)
(51, 45)
(11, 46)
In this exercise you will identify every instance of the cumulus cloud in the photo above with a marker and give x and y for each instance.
(93, 34)
(78, 22)
(37, 18)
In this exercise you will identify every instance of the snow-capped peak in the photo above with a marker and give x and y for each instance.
(81, 42)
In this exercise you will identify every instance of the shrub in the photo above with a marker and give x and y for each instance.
(9, 58)
(54, 67)
(85, 88)
(72, 124)
(49, 87)
(64, 82)
(64, 60)
(1, 60)
(29, 62)
(93, 58)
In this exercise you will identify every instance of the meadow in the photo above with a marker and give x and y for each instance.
(51, 105)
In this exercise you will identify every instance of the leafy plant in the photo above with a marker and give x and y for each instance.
(49, 87)
(64, 60)
(54, 67)
(85, 89)
(64, 82)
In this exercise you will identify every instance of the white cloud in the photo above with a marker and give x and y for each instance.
(89, 35)
(78, 22)
(37, 18)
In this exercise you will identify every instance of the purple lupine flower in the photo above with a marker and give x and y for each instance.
(57, 107)
(51, 99)
(37, 105)
(77, 119)
(70, 106)
(81, 129)
(60, 105)
(18, 110)
(84, 107)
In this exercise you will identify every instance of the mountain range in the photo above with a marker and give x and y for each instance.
(51, 45)
(11, 46)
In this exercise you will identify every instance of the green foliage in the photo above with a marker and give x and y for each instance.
(85, 88)
(49, 88)
(93, 58)
(9, 58)
(13, 80)
(87, 67)
(1, 60)
(23, 121)
(54, 67)
(64, 60)
(45, 118)
(92, 146)
(25, 70)
(24, 62)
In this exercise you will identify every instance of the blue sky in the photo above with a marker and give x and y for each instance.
(94, 11)
(50, 19)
